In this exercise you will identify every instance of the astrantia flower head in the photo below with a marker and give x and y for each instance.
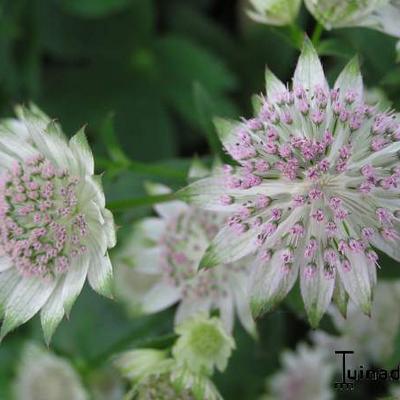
(42, 375)
(382, 15)
(306, 375)
(54, 227)
(158, 266)
(156, 376)
(274, 12)
(316, 188)
(203, 344)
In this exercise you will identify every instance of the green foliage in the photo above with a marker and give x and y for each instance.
(148, 77)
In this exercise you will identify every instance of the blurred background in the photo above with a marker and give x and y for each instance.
(151, 74)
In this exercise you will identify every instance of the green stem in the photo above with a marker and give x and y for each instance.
(316, 36)
(119, 205)
(159, 171)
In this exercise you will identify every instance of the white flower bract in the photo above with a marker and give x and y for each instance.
(382, 15)
(274, 12)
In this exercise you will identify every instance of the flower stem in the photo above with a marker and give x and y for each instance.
(316, 36)
(119, 205)
(156, 170)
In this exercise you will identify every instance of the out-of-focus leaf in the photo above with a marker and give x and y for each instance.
(295, 302)
(336, 48)
(69, 37)
(86, 95)
(392, 78)
(180, 64)
(94, 8)
(376, 51)
(186, 21)
(393, 360)
(206, 112)
(111, 141)
(253, 361)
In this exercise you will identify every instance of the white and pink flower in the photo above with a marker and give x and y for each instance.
(329, 196)
(54, 227)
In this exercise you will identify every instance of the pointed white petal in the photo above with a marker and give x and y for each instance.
(109, 228)
(13, 147)
(169, 209)
(226, 311)
(52, 312)
(132, 285)
(386, 156)
(188, 307)
(340, 296)
(81, 149)
(229, 246)
(160, 297)
(197, 170)
(14, 126)
(242, 302)
(74, 281)
(274, 86)
(357, 281)
(8, 281)
(384, 18)
(316, 291)
(270, 283)
(206, 193)
(309, 72)
(91, 191)
(226, 130)
(27, 298)
(151, 228)
(146, 260)
(100, 274)
(350, 79)
(48, 138)
(155, 189)
(391, 249)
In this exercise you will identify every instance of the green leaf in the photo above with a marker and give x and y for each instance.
(110, 139)
(185, 63)
(336, 48)
(94, 8)
(205, 110)
(66, 35)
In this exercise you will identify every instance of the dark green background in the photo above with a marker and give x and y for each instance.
(162, 69)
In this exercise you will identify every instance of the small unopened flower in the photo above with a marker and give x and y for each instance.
(371, 338)
(54, 227)
(336, 188)
(203, 345)
(382, 15)
(306, 375)
(274, 12)
(155, 376)
(41, 375)
(138, 364)
(158, 266)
